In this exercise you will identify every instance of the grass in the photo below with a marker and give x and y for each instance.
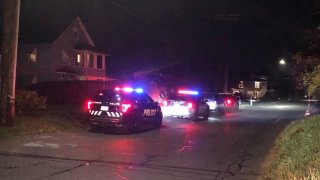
(54, 119)
(297, 151)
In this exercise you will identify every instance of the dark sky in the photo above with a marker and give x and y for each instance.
(197, 35)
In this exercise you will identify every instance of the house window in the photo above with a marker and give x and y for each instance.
(79, 59)
(75, 33)
(99, 62)
(64, 57)
(90, 60)
(241, 85)
(256, 84)
(33, 56)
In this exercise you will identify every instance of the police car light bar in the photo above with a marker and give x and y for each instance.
(139, 90)
(129, 89)
(188, 92)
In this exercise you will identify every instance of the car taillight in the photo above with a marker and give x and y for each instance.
(125, 107)
(228, 101)
(190, 105)
(89, 105)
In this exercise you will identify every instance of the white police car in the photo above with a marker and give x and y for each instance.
(186, 104)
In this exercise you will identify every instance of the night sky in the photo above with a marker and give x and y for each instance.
(194, 37)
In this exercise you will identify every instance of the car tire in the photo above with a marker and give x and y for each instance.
(206, 116)
(95, 128)
(221, 111)
(194, 116)
(133, 127)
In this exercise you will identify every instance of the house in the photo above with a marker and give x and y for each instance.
(252, 89)
(72, 55)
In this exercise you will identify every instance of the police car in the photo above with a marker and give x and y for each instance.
(186, 104)
(123, 108)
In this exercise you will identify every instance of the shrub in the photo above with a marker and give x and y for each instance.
(28, 102)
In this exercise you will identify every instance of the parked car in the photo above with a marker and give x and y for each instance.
(186, 104)
(123, 108)
(215, 103)
(229, 102)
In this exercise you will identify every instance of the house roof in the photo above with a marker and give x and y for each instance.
(86, 34)
(84, 46)
(48, 32)
(29, 48)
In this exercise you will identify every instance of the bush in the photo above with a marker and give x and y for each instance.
(28, 102)
(69, 92)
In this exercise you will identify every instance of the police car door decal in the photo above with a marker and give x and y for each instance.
(149, 112)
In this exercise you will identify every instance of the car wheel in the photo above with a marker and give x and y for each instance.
(206, 116)
(158, 121)
(194, 116)
(237, 108)
(221, 111)
(95, 128)
(133, 127)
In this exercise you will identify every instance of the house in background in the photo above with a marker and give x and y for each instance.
(252, 89)
(71, 56)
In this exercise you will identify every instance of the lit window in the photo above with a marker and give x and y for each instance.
(256, 84)
(33, 56)
(241, 85)
(79, 61)
(78, 58)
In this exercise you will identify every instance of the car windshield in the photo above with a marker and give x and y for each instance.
(179, 97)
(111, 96)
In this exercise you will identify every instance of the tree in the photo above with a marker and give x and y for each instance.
(312, 82)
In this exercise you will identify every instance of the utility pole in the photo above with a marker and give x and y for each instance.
(226, 74)
(11, 13)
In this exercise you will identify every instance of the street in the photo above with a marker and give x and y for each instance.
(233, 146)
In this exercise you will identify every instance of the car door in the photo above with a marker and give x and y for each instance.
(149, 109)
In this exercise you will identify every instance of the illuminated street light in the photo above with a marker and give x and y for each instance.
(282, 62)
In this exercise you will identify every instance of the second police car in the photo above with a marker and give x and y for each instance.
(186, 104)
(123, 108)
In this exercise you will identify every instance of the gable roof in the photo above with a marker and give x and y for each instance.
(47, 32)
(84, 30)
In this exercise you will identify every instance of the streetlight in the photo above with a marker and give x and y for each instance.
(282, 62)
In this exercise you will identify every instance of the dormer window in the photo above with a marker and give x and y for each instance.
(75, 33)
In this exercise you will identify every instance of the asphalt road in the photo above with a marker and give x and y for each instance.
(234, 146)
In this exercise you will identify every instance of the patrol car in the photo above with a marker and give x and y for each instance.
(126, 108)
(186, 104)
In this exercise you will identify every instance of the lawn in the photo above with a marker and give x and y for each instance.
(297, 151)
(56, 118)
